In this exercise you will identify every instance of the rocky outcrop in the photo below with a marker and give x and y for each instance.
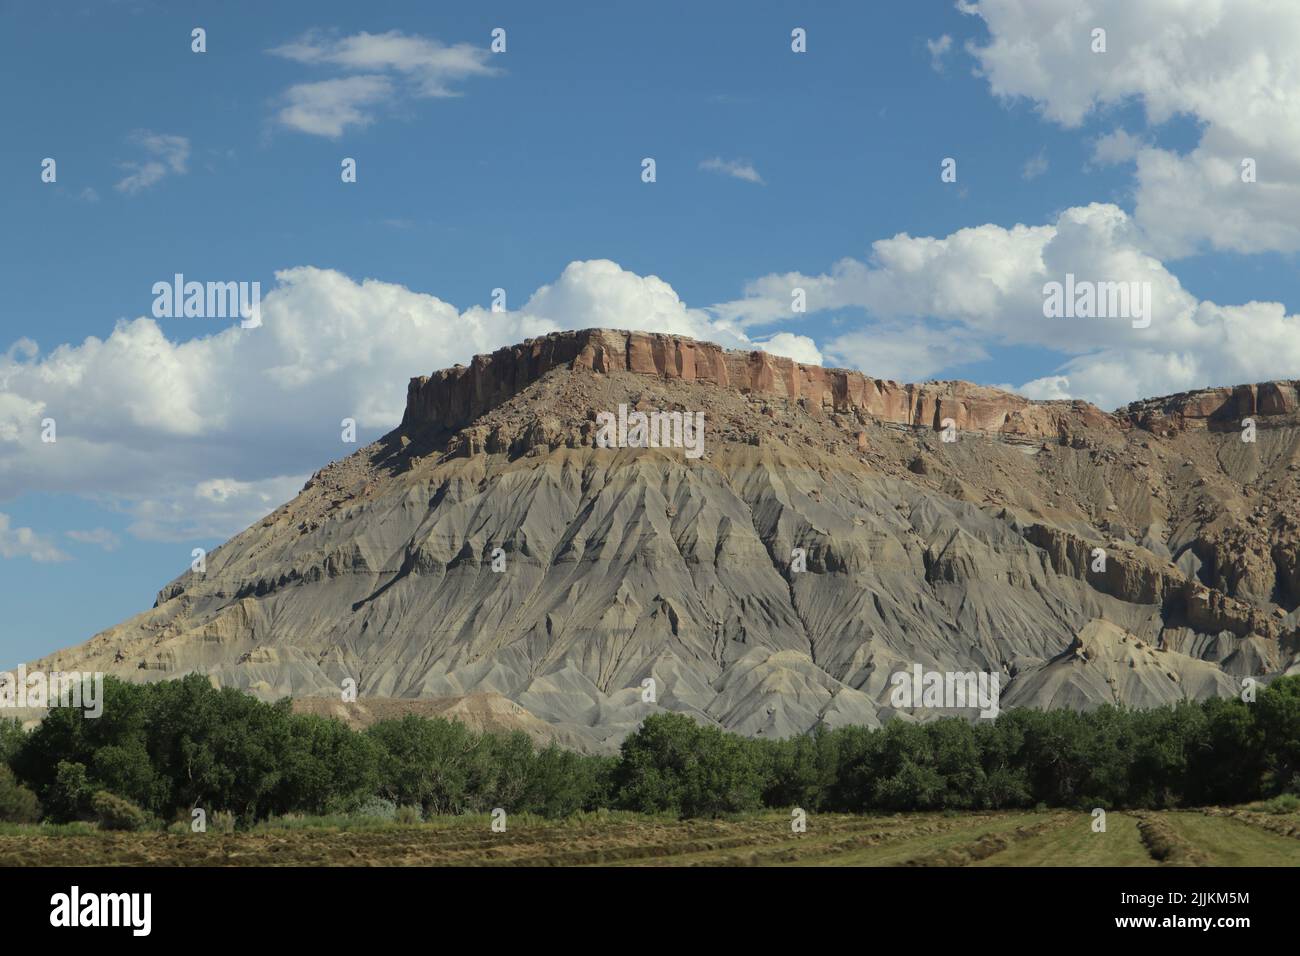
(1106, 665)
(1208, 407)
(1124, 572)
(455, 397)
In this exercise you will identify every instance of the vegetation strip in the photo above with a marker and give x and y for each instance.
(1281, 825)
(184, 756)
(985, 846)
(1165, 845)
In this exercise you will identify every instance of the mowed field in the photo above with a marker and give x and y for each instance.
(1213, 837)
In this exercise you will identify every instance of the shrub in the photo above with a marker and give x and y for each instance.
(118, 813)
(377, 808)
(17, 803)
(1285, 803)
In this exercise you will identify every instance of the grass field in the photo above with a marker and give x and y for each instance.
(1214, 837)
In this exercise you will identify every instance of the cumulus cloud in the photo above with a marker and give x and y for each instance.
(904, 352)
(600, 293)
(201, 437)
(330, 106)
(1234, 67)
(165, 154)
(384, 67)
(1117, 146)
(735, 168)
(26, 543)
(798, 347)
(938, 303)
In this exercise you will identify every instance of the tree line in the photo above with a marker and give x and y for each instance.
(172, 746)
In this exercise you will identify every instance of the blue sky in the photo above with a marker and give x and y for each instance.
(182, 431)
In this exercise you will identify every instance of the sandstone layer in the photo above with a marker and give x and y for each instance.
(455, 397)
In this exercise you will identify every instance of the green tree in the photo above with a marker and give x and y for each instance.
(68, 796)
(1005, 779)
(672, 764)
(1226, 763)
(12, 736)
(562, 782)
(1277, 712)
(425, 762)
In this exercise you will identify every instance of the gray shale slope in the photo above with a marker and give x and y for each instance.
(625, 564)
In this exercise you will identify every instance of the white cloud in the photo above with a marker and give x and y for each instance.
(938, 303)
(904, 352)
(600, 293)
(199, 438)
(26, 543)
(735, 168)
(166, 154)
(1233, 67)
(386, 66)
(330, 106)
(801, 348)
(1117, 146)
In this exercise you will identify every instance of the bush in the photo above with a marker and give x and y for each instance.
(377, 808)
(117, 813)
(17, 803)
(1286, 803)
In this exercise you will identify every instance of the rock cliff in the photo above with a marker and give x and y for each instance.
(455, 397)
